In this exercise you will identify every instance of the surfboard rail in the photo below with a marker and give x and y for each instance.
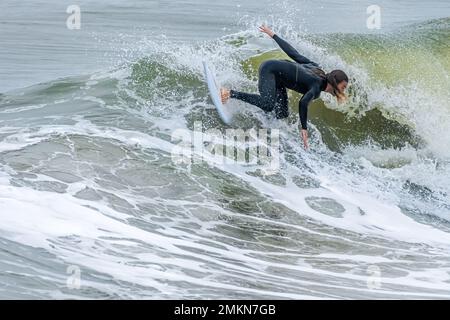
(214, 92)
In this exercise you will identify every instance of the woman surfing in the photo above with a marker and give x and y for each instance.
(301, 75)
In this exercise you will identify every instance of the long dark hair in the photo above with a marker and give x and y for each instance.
(334, 78)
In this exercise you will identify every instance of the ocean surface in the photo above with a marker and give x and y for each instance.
(94, 205)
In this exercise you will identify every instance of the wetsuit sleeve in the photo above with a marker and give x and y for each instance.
(303, 106)
(291, 51)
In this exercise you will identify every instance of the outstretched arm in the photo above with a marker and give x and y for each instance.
(291, 51)
(286, 47)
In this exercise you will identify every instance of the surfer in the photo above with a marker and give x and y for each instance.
(301, 75)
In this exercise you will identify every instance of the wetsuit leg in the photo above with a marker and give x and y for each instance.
(272, 93)
(282, 106)
(252, 98)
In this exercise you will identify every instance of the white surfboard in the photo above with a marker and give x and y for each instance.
(214, 91)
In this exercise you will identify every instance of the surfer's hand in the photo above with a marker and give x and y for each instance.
(305, 138)
(266, 30)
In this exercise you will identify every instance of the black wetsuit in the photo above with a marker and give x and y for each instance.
(275, 76)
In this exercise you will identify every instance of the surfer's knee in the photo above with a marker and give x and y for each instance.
(281, 110)
(281, 113)
(269, 103)
(266, 66)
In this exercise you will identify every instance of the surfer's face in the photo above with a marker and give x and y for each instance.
(342, 86)
(339, 92)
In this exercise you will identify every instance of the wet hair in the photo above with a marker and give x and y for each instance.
(334, 78)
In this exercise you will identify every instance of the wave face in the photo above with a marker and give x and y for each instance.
(88, 183)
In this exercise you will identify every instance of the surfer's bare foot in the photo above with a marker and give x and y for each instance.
(224, 95)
